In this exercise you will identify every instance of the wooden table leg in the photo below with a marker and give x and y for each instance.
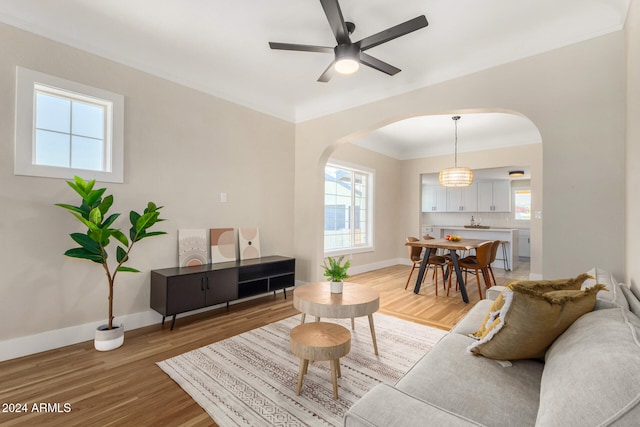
(456, 267)
(423, 266)
(353, 324)
(302, 318)
(303, 370)
(334, 377)
(373, 335)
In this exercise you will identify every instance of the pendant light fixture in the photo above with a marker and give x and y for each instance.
(456, 176)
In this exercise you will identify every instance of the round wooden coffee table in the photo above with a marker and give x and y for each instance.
(320, 341)
(316, 299)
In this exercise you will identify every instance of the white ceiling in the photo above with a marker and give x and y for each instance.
(221, 47)
(428, 136)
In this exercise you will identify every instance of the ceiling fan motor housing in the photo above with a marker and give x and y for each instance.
(347, 51)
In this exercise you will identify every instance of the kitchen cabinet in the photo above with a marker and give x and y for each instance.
(429, 230)
(524, 245)
(434, 198)
(462, 199)
(494, 196)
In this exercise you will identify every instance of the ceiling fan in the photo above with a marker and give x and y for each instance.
(349, 55)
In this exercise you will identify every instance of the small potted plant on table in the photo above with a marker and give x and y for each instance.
(92, 213)
(336, 272)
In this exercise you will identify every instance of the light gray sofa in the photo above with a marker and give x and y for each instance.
(590, 376)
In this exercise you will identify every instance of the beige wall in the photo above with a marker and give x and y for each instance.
(182, 149)
(576, 98)
(388, 184)
(632, 32)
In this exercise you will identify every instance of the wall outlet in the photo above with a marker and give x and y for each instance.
(223, 197)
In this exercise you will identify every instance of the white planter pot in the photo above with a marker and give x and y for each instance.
(336, 287)
(108, 339)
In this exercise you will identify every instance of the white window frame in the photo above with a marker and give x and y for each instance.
(515, 212)
(27, 84)
(370, 246)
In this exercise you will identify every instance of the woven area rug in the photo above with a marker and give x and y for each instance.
(250, 379)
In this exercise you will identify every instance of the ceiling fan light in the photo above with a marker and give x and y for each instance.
(346, 66)
(458, 176)
(347, 58)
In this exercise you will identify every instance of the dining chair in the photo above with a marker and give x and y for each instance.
(479, 263)
(434, 261)
(494, 253)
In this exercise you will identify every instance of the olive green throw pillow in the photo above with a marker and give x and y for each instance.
(530, 319)
(540, 286)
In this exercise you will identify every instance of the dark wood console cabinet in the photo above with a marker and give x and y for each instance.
(179, 289)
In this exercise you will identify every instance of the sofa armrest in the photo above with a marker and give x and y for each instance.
(494, 291)
(386, 406)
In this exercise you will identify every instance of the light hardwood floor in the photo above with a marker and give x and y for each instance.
(125, 387)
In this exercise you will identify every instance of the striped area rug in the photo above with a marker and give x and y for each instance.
(250, 379)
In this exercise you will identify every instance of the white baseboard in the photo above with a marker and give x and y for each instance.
(32, 344)
(24, 346)
(377, 265)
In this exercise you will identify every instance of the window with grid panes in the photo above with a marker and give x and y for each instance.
(348, 209)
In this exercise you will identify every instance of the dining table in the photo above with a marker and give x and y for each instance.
(453, 246)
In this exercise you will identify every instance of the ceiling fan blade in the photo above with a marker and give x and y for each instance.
(393, 32)
(336, 20)
(300, 47)
(376, 64)
(328, 73)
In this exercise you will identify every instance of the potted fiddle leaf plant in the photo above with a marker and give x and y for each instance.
(92, 212)
(336, 272)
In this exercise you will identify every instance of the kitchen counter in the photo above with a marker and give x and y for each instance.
(457, 227)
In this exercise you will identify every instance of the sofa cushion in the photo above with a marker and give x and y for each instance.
(386, 406)
(632, 300)
(592, 372)
(476, 388)
(539, 286)
(531, 319)
(635, 289)
(614, 297)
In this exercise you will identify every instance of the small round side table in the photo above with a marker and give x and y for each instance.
(320, 341)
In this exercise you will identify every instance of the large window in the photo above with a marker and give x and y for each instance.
(348, 209)
(64, 129)
(522, 204)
